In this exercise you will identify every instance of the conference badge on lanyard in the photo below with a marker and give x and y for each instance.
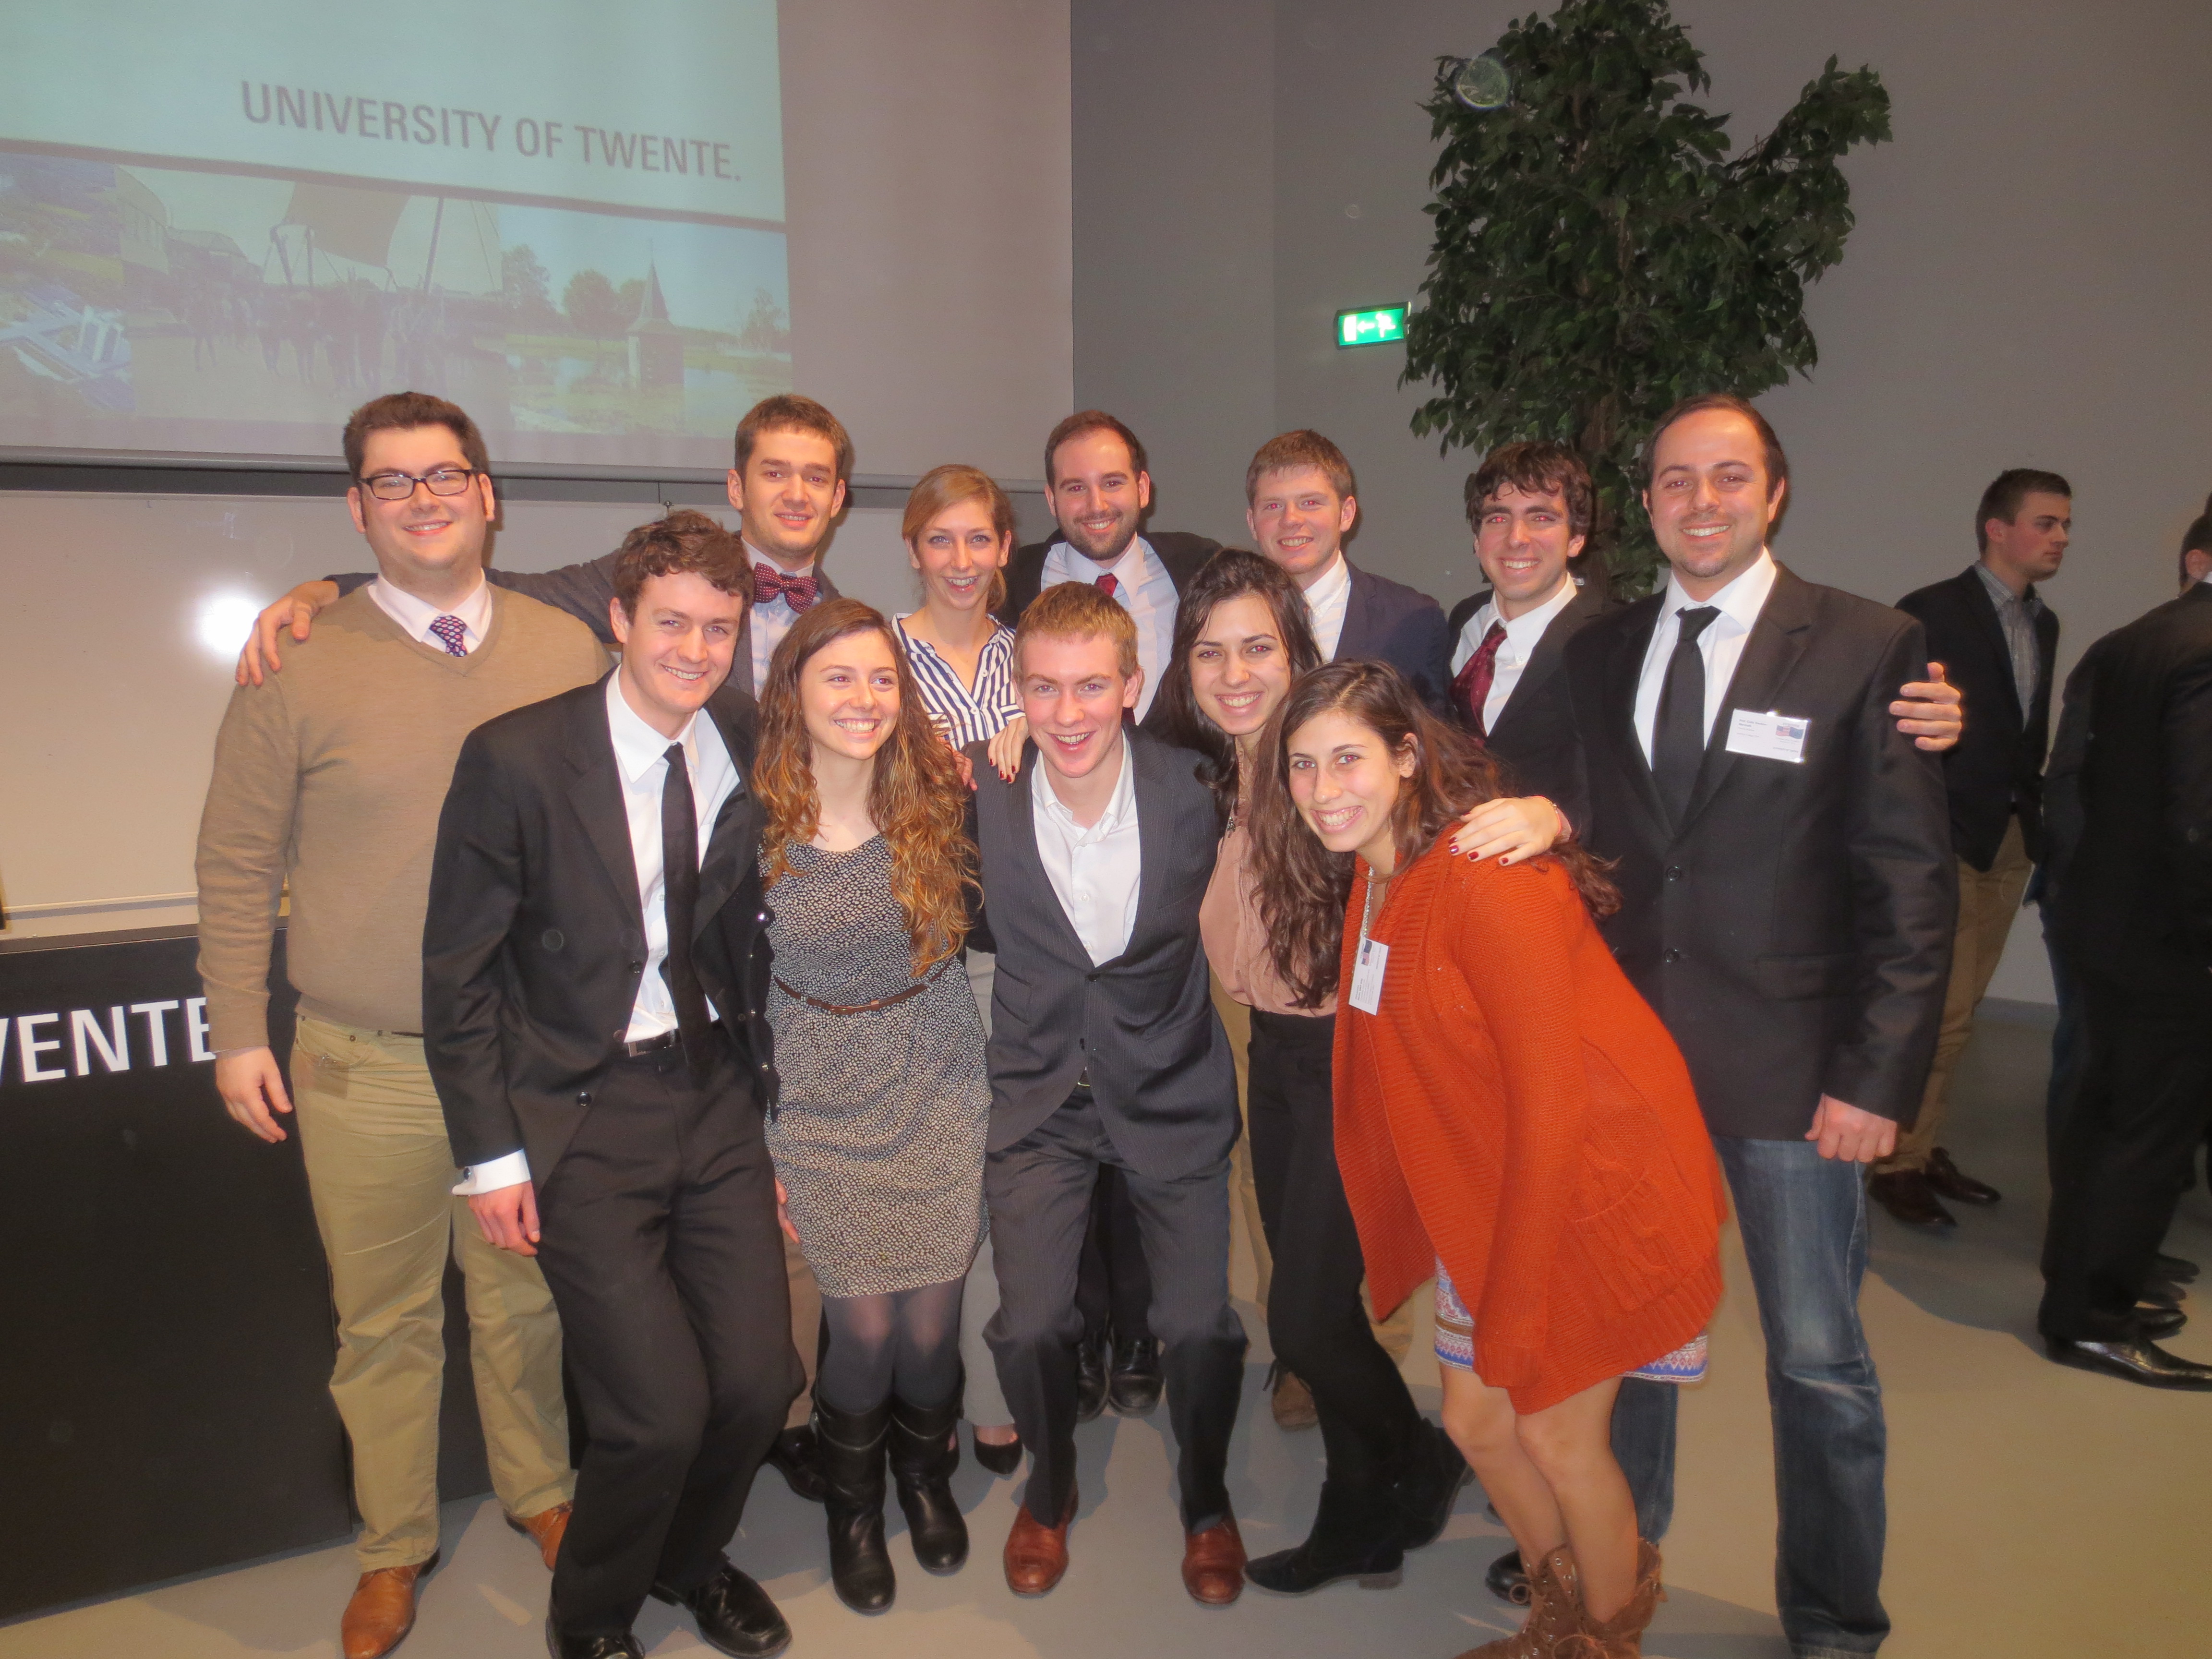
(1367, 976)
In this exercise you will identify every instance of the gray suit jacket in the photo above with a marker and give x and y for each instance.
(1143, 1023)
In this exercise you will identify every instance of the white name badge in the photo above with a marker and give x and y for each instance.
(1769, 736)
(1367, 976)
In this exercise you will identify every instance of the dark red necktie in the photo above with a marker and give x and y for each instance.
(1107, 584)
(770, 585)
(1471, 685)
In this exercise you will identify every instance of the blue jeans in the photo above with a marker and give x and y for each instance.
(1804, 1226)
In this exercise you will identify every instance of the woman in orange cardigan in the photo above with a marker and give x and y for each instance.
(1510, 1115)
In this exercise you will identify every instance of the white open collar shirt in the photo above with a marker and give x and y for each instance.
(1325, 606)
(1142, 587)
(415, 616)
(641, 763)
(1721, 645)
(1523, 634)
(1094, 870)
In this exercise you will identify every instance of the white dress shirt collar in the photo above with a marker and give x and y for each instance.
(1720, 645)
(415, 616)
(1524, 633)
(1327, 598)
(638, 747)
(1739, 603)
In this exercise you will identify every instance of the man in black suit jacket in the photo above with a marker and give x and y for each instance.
(594, 978)
(1788, 890)
(1301, 500)
(1105, 1052)
(2135, 919)
(1998, 643)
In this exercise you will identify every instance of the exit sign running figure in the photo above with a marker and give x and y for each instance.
(1376, 325)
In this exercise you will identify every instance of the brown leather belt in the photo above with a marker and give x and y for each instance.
(913, 990)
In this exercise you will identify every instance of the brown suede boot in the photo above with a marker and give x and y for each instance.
(1620, 1637)
(1554, 1613)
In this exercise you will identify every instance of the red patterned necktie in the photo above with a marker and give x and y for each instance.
(454, 633)
(1471, 686)
(770, 585)
(1107, 584)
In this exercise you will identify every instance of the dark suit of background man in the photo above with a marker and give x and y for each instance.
(593, 972)
(2136, 922)
(1301, 500)
(1788, 893)
(1998, 643)
(1105, 1052)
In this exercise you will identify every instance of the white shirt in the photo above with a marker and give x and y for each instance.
(1721, 645)
(771, 622)
(1325, 601)
(1094, 871)
(1144, 589)
(415, 616)
(639, 753)
(1523, 635)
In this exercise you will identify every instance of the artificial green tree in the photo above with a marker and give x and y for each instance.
(1600, 254)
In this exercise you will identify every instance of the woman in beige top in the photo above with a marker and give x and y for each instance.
(1241, 637)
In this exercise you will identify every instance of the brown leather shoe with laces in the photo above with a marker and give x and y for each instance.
(1036, 1555)
(1554, 1613)
(1213, 1563)
(382, 1610)
(546, 1529)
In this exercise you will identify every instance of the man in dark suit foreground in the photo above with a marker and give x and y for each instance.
(1788, 889)
(593, 976)
(1105, 1052)
(1998, 643)
(2135, 916)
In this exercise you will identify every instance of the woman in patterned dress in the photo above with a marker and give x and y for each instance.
(878, 1139)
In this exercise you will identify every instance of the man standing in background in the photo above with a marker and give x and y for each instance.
(332, 778)
(1998, 643)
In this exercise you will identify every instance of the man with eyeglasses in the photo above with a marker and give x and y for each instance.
(331, 776)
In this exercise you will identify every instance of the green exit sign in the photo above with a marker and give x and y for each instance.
(1376, 325)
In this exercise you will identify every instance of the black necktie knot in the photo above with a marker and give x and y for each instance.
(1695, 620)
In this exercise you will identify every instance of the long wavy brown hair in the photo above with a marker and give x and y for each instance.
(1302, 887)
(916, 796)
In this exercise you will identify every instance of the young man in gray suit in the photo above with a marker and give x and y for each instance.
(1105, 1052)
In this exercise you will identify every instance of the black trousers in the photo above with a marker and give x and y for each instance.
(1114, 1290)
(661, 1248)
(1039, 1190)
(2126, 1151)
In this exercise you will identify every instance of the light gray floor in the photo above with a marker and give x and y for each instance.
(2034, 1510)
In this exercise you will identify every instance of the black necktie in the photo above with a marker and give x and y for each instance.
(1678, 736)
(679, 899)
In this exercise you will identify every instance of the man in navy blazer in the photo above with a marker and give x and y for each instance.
(1300, 501)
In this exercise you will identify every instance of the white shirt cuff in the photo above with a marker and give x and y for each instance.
(509, 1171)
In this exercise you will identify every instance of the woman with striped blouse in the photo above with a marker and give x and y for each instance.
(959, 532)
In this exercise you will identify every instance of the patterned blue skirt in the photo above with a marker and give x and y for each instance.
(1455, 1342)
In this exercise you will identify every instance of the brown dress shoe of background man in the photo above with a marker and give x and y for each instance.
(1214, 1564)
(1036, 1555)
(546, 1528)
(382, 1610)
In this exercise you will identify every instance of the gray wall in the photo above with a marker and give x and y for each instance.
(2025, 286)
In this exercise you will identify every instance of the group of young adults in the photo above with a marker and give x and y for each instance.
(907, 942)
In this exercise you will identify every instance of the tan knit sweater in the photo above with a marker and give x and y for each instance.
(332, 773)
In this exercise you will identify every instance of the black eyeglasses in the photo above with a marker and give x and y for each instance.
(439, 481)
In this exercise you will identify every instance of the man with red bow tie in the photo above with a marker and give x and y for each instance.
(794, 462)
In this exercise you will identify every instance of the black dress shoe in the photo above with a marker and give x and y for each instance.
(1135, 1384)
(601, 1646)
(1355, 1535)
(2160, 1293)
(1906, 1195)
(1427, 1487)
(999, 1460)
(733, 1614)
(1950, 1181)
(794, 1457)
(2155, 1324)
(1090, 1377)
(2137, 1360)
(2175, 1269)
(1506, 1580)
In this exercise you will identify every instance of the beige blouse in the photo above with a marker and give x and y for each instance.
(1235, 946)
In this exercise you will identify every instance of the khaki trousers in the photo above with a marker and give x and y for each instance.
(380, 1175)
(1987, 901)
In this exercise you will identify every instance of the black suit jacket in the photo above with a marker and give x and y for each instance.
(1144, 1023)
(535, 942)
(1795, 930)
(2137, 903)
(1388, 621)
(1997, 768)
(1534, 736)
(1180, 552)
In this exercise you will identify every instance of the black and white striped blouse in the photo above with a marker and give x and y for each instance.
(965, 716)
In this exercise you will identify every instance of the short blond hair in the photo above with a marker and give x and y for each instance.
(1290, 452)
(1078, 611)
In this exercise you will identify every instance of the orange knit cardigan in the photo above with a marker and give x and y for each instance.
(1518, 1111)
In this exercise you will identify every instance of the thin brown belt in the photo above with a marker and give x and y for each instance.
(913, 990)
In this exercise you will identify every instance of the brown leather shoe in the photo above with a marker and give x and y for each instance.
(1036, 1555)
(1290, 1402)
(1906, 1195)
(1953, 1182)
(1214, 1564)
(547, 1528)
(382, 1610)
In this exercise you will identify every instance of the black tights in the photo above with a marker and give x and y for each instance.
(906, 1343)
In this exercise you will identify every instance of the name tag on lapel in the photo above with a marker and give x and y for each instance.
(1367, 976)
(1769, 736)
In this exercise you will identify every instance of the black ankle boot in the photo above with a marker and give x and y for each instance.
(1427, 1485)
(923, 1455)
(852, 1463)
(1355, 1535)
